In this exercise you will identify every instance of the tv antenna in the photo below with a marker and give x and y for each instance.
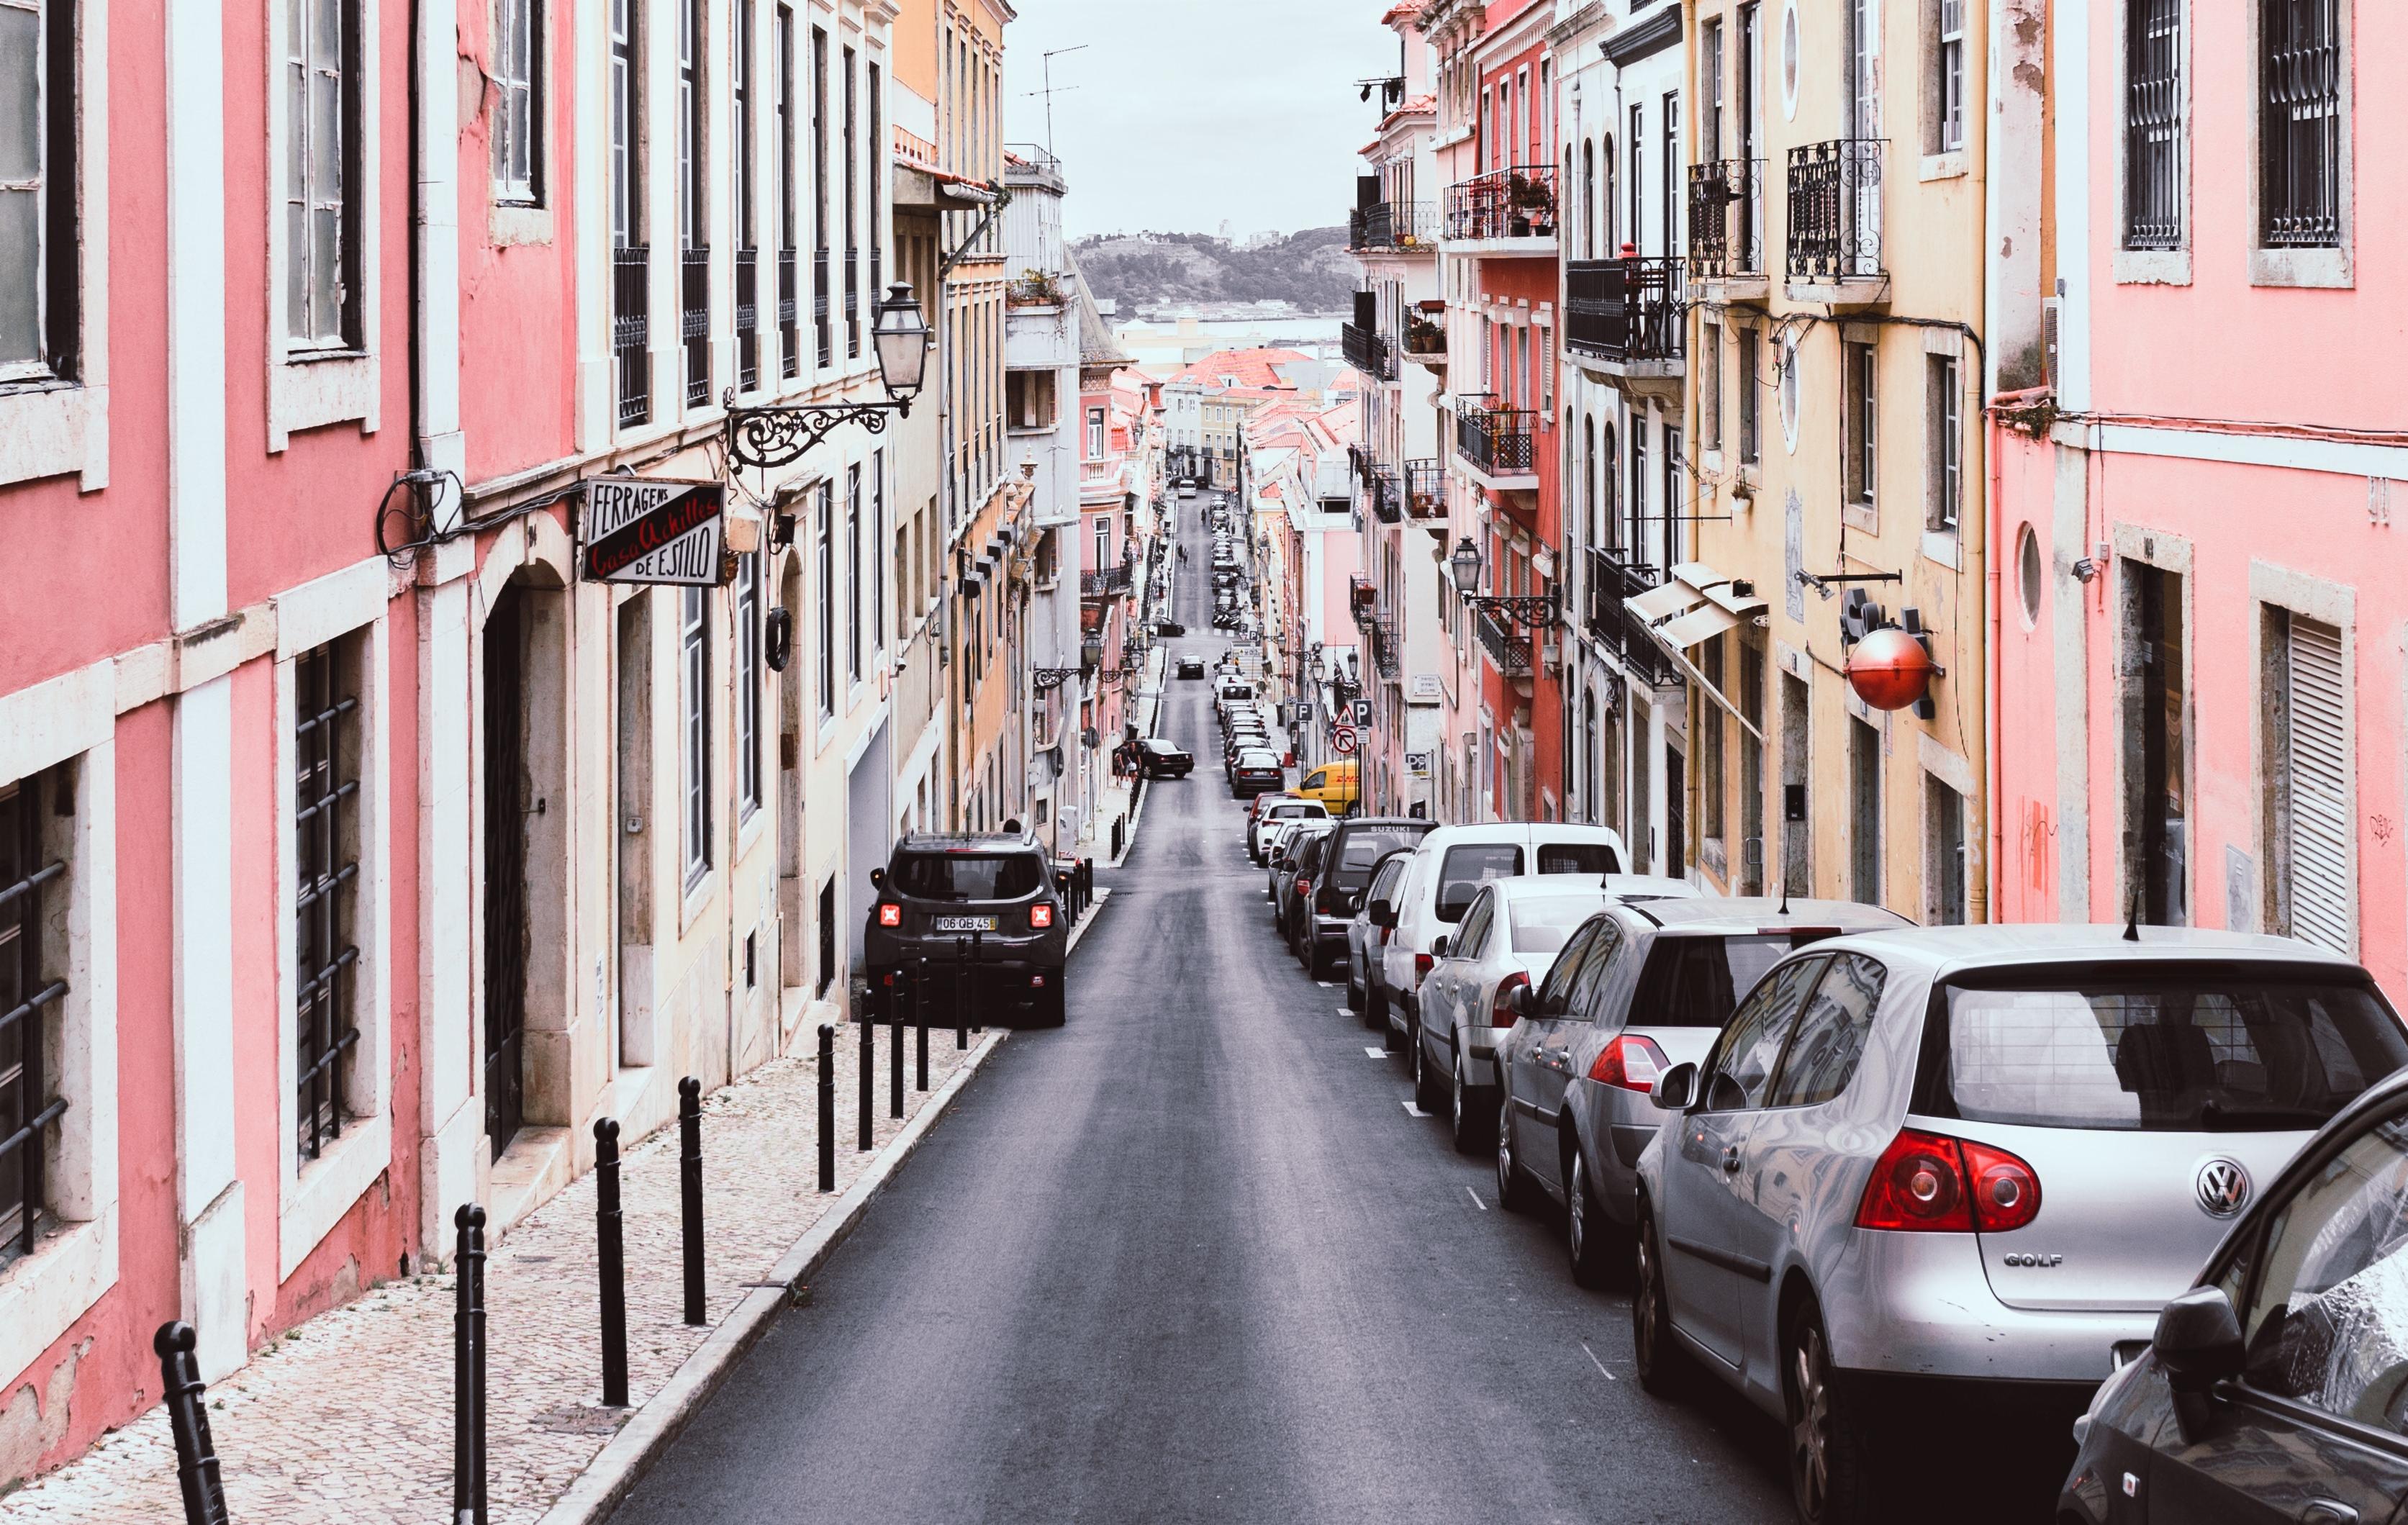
(1049, 92)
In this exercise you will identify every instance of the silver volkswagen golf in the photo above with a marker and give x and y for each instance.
(1973, 1152)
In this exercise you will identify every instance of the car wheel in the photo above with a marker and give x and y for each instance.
(1355, 1000)
(1052, 1006)
(1425, 1092)
(1654, 1349)
(1514, 1192)
(1464, 1104)
(1831, 1477)
(1375, 1008)
(1589, 1236)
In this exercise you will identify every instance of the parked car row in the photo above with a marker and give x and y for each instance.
(1921, 1194)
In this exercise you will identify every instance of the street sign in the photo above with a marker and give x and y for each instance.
(1363, 712)
(652, 529)
(1341, 739)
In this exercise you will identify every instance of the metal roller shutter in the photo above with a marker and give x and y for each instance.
(2321, 903)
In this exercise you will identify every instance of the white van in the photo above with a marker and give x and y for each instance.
(1444, 875)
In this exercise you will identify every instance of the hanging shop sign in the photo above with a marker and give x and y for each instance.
(650, 529)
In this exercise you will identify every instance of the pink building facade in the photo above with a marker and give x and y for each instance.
(2196, 606)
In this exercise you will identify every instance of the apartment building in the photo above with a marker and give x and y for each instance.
(1834, 470)
(2198, 671)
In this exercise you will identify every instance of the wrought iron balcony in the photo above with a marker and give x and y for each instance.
(790, 353)
(1362, 599)
(1424, 336)
(1727, 219)
(693, 271)
(748, 320)
(1425, 489)
(1367, 350)
(1516, 203)
(1507, 647)
(631, 269)
(1612, 580)
(1497, 441)
(1392, 225)
(821, 332)
(1387, 652)
(1835, 210)
(1626, 310)
(1111, 582)
(852, 303)
(1382, 491)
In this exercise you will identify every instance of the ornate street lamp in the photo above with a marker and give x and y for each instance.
(1465, 561)
(1532, 609)
(775, 435)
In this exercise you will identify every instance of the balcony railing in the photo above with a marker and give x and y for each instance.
(1516, 203)
(1424, 335)
(1510, 649)
(748, 320)
(631, 269)
(1623, 310)
(821, 332)
(1362, 599)
(1425, 489)
(1393, 224)
(1383, 494)
(1110, 583)
(693, 271)
(852, 303)
(1610, 580)
(1835, 211)
(790, 349)
(1497, 441)
(1387, 652)
(1366, 349)
(1727, 219)
(1033, 288)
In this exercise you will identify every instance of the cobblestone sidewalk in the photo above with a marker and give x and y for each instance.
(346, 1420)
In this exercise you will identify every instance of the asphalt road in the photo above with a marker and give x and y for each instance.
(1191, 1257)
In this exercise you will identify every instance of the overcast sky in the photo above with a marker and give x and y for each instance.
(1187, 113)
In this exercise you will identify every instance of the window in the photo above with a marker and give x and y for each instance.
(38, 278)
(2315, 1330)
(1831, 1032)
(877, 541)
(1028, 398)
(851, 194)
(1710, 90)
(1676, 497)
(1095, 434)
(821, 331)
(326, 861)
(322, 72)
(694, 674)
(518, 104)
(1751, 405)
(827, 600)
(31, 892)
(1944, 869)
(2311, 882)
(2298, 123)
(1667, 200)
(2153, 124)
(790, 359)
(1946, 453)
(1858, 470)
(1709, 386)
(852, 572)
(1743, 1057)
(1711, 725)
(1864, 812)
(1948, 79)
(748, 682)
(1636, 147)
(630, 257)
(1751, 767)
(827, 935)
(1103, 544)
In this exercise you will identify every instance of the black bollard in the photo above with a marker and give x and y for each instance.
(611, 1251)
(468, 1366)
(827, 1107)
(869, 1066)
(895, 1060)
(196, 1455)
(923, 1050)
(690, 1192)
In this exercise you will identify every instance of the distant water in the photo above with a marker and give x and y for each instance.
(1169, 342)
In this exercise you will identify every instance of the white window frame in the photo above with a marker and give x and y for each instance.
(50, 427)
(695, 815)
(306, 388)
(42, 1295)
(314, 1195)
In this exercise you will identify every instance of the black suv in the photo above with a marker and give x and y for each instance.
(974, 907)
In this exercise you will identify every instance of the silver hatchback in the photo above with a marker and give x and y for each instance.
(1975, 1151)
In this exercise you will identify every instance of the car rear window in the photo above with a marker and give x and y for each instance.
(1577, 857)
(1540, 925)
(1365, 846)
(1698, 980)
(1238, 691)
(969, 876)
(1464, 868)
(2181, 1048)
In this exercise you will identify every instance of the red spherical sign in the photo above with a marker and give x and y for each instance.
(1889, 669)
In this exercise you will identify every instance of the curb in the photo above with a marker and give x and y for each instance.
(1137, 814)
(629, 1453)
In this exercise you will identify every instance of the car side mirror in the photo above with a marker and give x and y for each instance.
(1382, 914)
(2198, 1341)
(878, 878)
(1675, 1089)
(1437, 948)
(1522, 1002)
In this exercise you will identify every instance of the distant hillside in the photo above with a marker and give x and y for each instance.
(1311, 268)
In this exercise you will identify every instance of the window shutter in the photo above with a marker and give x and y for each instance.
(2318, 828)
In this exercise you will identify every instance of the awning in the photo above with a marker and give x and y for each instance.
(1697, 604)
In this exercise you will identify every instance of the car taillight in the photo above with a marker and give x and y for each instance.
(1629, 1062)
(1040, 915)
(1422, 963)
(1303, 888)
(889, 915)
(1500, 1005)
(1929, 1181)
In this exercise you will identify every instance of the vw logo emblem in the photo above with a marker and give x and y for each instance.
(2222, 1188)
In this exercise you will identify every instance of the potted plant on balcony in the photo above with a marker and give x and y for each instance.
(1532, 203)
(1423, 337)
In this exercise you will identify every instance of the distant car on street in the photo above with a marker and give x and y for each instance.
(1161, 758)
(1168, 627)
(1318, 933)
(1253, 770)
(1918, 1165)
(1191, 667)
(975, 907)
(1278, 810)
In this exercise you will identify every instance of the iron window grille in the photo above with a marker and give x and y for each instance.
(325, 814)
(40, 286)
(822, 333)
(1835, 225)
(2152, 126)
(27, 1108)
(2299, 124)
(748, 332)
(790, 359)
(631, 268)
(1727, 218)
(693, 269)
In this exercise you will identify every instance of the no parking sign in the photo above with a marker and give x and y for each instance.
(1341, 739)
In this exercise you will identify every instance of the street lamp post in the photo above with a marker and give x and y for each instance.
(777, 434)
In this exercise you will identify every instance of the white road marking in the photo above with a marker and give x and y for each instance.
(1327, 984)
(1483, 1207)
(1345, 1010)
(1590, 1354)
(1375, 1053)
(1412, 1111)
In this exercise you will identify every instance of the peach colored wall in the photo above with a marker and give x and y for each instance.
(2023, 824)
